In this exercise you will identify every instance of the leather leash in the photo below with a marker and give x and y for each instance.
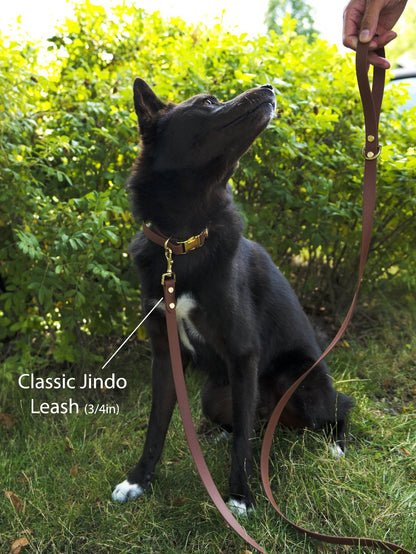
(371, 100)
(183, 403)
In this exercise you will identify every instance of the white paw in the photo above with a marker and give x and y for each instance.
(336, 451)
(226, 435)
(223, 436)
(126, 491)
(238, 508)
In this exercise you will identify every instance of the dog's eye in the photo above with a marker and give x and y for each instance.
(209, 101)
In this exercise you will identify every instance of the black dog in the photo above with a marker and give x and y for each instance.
(239, 319)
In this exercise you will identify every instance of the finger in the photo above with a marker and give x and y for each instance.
(378, 61)
(350, 41)
(370, 20)
(352, 17)
(379, 41)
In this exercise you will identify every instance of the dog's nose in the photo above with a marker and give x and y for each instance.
(267, 86)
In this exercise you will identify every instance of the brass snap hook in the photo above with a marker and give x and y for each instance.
(169, 260)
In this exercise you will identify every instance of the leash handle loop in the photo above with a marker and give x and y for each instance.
(371, 99)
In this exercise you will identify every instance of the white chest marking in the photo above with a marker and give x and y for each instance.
(185, 304)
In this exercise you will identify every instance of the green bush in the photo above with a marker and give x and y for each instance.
(68, 139)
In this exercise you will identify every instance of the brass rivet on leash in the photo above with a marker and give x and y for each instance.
(172, 305)
(370, 138)
(170, 290)
(371, 155)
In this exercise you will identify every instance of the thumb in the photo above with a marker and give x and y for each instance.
(370, 19)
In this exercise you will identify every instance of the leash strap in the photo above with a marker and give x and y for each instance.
(185, 411)
(371, 100)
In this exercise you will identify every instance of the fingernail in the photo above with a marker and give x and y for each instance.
(365, 35)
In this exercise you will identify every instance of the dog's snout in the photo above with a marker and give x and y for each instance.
(267, 86)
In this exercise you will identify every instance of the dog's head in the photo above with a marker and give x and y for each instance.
(201, 133)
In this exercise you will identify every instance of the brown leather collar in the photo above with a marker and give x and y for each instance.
(177, 246)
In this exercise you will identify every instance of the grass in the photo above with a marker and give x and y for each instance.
(61, 468)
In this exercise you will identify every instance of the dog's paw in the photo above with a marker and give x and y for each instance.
(336, 451)
(223, 436)
(239, 507)
(126, 491)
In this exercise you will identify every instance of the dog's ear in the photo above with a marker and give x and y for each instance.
(146, 103)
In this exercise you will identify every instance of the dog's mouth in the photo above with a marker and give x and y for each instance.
(269, 104)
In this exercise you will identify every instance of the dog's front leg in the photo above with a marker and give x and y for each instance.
(163, 402)
(243, 377)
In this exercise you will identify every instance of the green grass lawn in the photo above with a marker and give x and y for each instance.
(61, 468)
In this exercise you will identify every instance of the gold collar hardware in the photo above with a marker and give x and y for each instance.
(194, 242)
(176, 246)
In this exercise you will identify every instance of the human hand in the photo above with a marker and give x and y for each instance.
(371, 21)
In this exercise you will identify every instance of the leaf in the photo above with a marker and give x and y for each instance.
(73, 243)
(15, 500)
(178, 501)
(74, 470)
(6, 420)
(18, 545)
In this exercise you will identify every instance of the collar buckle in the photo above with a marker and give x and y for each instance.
(193, 242)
